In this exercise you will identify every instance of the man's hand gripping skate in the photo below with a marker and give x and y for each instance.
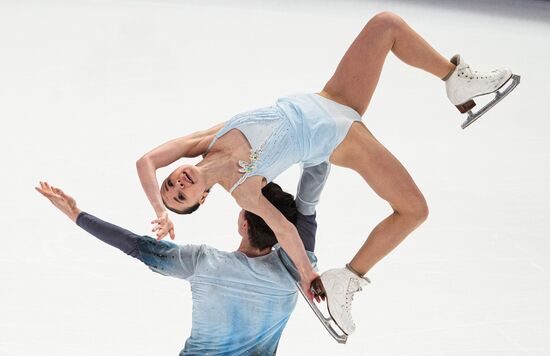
(314, 288)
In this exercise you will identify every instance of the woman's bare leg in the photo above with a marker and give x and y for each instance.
(361, 152)
(353, 84)
(357, 75)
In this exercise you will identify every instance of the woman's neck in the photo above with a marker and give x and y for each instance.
(216, 166)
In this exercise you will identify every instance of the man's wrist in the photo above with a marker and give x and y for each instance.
(307, 273)
(73, 215)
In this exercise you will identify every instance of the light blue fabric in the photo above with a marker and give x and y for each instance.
(240, 304)
(321, 125)
(311, 185)
(302, 128)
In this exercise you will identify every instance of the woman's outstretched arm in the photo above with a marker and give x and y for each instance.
(286, 233)
(192, 145)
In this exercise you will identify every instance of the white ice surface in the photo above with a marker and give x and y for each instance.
(87, 87)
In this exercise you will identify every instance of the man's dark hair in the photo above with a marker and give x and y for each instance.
(260, 235)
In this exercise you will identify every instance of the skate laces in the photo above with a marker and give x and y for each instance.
(353, 287)
(466, 72)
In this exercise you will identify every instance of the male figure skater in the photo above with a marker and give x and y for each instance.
(242, 300)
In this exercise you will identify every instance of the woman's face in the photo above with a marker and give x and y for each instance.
(183, 188)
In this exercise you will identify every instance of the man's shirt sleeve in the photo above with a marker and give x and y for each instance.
(311, 186)
(169, 259)
(163, 257)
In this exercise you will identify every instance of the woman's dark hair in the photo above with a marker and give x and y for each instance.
(260, 235)
(185, 211)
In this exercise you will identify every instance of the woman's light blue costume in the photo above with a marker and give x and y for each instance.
(302, 128)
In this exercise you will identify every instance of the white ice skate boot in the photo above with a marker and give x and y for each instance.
(340, 286)
(463, 85)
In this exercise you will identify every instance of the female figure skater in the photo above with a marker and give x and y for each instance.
(254, 147)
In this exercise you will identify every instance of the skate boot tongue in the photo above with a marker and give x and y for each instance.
(456, 59)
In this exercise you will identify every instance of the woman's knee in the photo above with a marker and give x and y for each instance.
(422, 211)
(386, 21)
(415, 209)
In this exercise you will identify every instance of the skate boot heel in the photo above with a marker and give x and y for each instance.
(465, 107)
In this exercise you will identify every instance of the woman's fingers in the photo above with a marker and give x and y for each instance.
(160, 231)
(158, 223)
(158, 228)
(163, 227)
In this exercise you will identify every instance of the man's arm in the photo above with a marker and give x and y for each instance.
(113, 235)
(161, 256)
(310, 187)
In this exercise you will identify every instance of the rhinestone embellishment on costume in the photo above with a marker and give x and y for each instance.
(248, 168)
(254, 159)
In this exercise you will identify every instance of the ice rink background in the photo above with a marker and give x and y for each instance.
(87, 87)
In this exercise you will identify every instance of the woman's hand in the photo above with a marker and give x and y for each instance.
(163, 226)
(192, 145)
(60, 200)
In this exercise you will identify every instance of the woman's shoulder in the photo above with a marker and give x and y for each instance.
(248, 193)
(208, 137)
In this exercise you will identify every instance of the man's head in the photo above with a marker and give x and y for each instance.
(259, 234)
(184, 190)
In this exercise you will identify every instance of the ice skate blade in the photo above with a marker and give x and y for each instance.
(341, 339)
(498, 97)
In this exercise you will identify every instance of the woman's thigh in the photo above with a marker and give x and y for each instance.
(357, 74)
(363, 153)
